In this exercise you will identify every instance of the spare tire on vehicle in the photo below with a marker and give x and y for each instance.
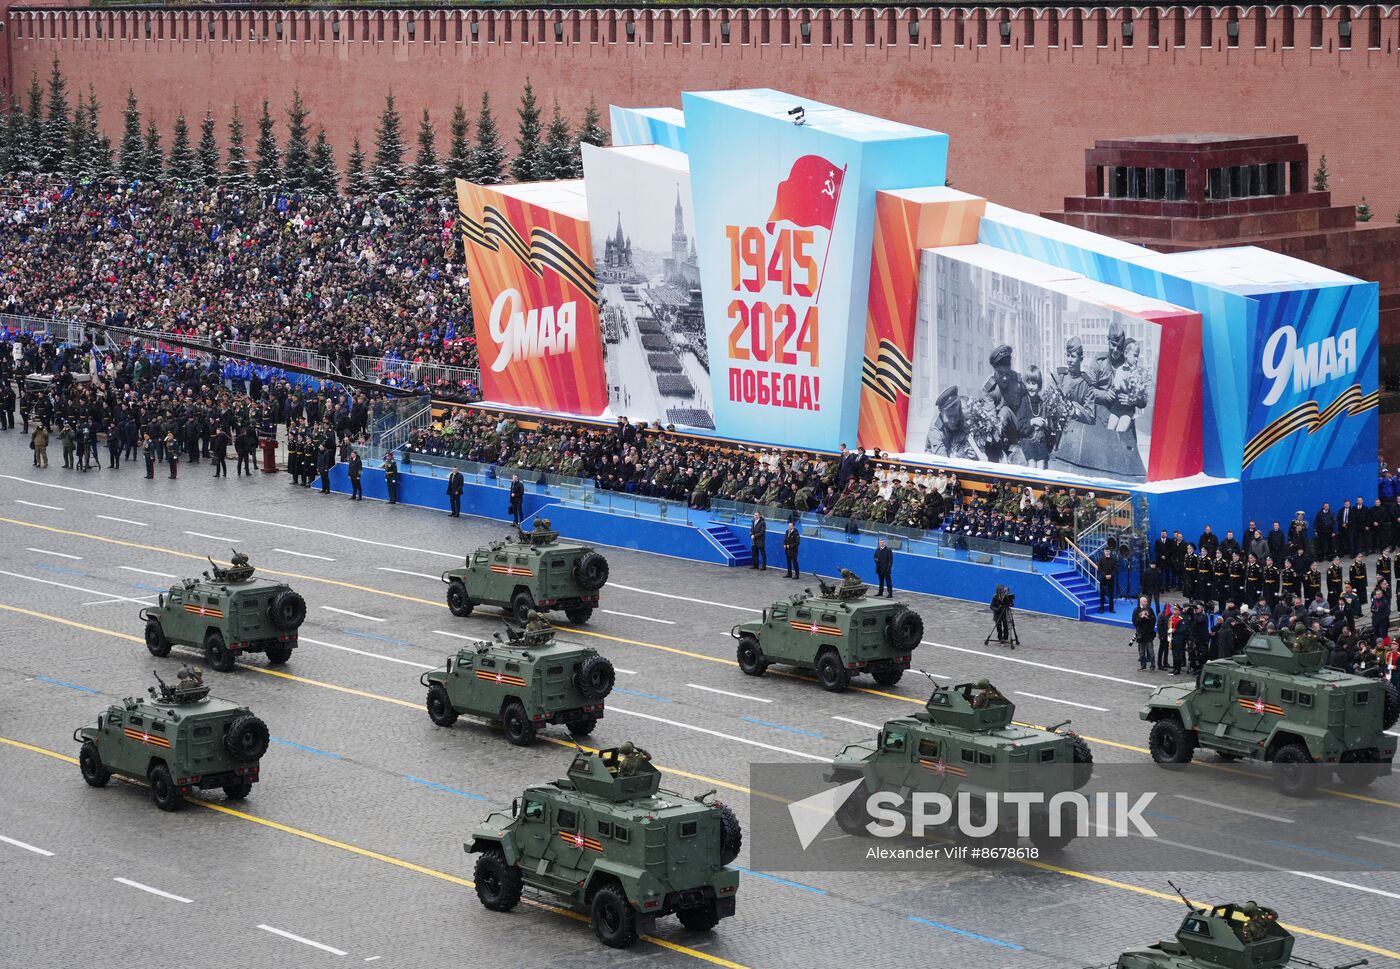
(731, 835)
(1392, 706)
(591, 571)
(906, 629)
(1083, 762)
(595, 677)
(288, 610)
(247, 738)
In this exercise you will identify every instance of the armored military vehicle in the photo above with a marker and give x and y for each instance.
(535, 571)
(522, 680)
(1231, 936)
(837, 634)
(227, 612)
(1276, 703)
(178, 739)
(608, 841)
(964, 741)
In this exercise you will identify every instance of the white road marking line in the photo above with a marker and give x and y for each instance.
(75, 588)
(1044, 666)
(217, 538)
(669, 595)
(305, 555)
(154, 891)
(372, 958)
(716, 733)
(159, 575)
(1378, 841)
(62, 555)
(26, 846)
(35, 504)
(361, 652)
(108, 602)
(741, 696)
(416, 575)
(444, 632)
(124, 521)
(311, 942)
(357, 615)
(619, 669)
(1068, 703)
(669, 622)
(858, 723)
(1233, 809)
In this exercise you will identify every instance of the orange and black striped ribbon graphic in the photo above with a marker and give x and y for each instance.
(1307, 415)
(943, 767)
(890, 375)
(579, 840)
(146, 738)
(1256, 706)
(208, 612)
(505, 679)
(545, 249)
(812, 627)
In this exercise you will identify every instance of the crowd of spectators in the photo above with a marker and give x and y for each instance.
(375, 277)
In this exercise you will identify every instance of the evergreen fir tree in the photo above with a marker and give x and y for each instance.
(207, 158)
(488, 158)
(104, 163)
(77, 157)
(268, 171)
(356, 181)
(5, 116)
(592, 131)
(296, 164)
(388, 174)
(34, 128)
(1322, 176)
(323, 177)
(236, 168)
(54, 152)
(527, 166)
(459, 153)
(182, 159)
(152, 155)
(1363, 211)
(100, 164)
(557, 158)
(427, 170)
(130, 166)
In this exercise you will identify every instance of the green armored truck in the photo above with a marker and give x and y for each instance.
(964, 741)
(227, 612)
(178, 740)
(608, 841)
(522, 680)
(1276, 703)
(837, 634)
(536, 571)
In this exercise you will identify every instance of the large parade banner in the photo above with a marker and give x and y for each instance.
(534, 295)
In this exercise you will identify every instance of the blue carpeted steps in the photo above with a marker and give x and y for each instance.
(736, 553)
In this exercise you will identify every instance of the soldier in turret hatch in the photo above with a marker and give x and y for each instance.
(630, 759)
(1256, 925)
(849, 580)
(537, 623)
(986, 695)
(190, 678)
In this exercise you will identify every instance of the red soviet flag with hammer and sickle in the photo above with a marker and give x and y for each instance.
(809, 195)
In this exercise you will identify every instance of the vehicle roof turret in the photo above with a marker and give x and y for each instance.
(597, 775)
(957, 706)
(1276, 651)
(1230, 936)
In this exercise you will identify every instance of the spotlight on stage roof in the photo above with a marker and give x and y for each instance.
(798, 115)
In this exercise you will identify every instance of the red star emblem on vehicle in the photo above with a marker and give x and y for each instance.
(145, 738)
(578, 839)
(1258, 706)
(938, 767)
(499, 678)
(813, 627)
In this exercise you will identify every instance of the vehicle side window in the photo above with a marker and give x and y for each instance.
(534, 811)
(114, 718)
(157, 726)
(894, 740)
(566, 819)
(1247, 688)
(500, 556)
(203, 731)
(928, 748)
(1304, 699)
(1361, 698)
(1047, 755)
(483, 557)
(1287, 696)
(984, 757)
(968, 756)
(620, 833)
(1196, 926)
(780, 612)
(605, 829)
(688, 829)
(488, 662)
(804, 614)
(1212, 681)
(134, 720)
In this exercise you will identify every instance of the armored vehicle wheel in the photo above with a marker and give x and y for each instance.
(851, 816)
(1293, 774)
(457, 602)
(751, 659)
(1392, 706)
(497, 882)
(277, 655)
(1083, 762)
(521, 604)
(90, 763)
(288, 610)
(584, 727)
(888, 675)
(217, 653)
(977, 815)
(591, 571)
(163, 790)
(246, 739)
(831, 672)
(238, 790)
(614, 922)
(1169, 742)
(1050, 843)
(701, 918)
(1358, 774)
(579, 614)
(595, 677)
(906, 629)
(731, 835)
(520, 731)
(440, 706)
(155, 639)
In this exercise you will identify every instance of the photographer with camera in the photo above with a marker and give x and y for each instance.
(1004, 623)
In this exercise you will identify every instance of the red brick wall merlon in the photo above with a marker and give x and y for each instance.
(1021, 91)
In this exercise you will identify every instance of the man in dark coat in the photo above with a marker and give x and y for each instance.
(391, 478)
(1144, 626)
(1152, 584)
(1324, 531)
(325, 460)
(884, 569)
(791, 541)
(517, 499)
(1108, 580)
(454, 493)
(218, 450)
(758, 542)
(356, 467)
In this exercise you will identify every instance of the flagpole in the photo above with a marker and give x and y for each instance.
(821, 277)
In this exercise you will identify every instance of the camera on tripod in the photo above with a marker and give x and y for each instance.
(1003, 620)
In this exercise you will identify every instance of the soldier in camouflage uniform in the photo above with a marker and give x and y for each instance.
(630, 759)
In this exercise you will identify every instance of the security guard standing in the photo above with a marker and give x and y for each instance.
(884, 569)
(758, 542)
(391, 478)
(454, 493)
(355, 467)
(791, 541)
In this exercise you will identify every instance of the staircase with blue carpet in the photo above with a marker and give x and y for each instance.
(735, 552)
(1086, 593)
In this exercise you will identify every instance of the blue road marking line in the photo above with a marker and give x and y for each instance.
(1322, 854)
(146, 586)
(442, 787)
(966, 934)
(60, 569)
(309, 750)
(779, 726)
(781, 881)
(376, 637)
(71, 686)
(1159, 817)
(645, 696)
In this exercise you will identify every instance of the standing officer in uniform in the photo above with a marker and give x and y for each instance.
(7, 404)
(148, 451)
(356, 468)
(1334, 582)
(517, 499)
(1162, 555)
(791, 541)
(391, 478)
(1188, 573)
(1357, 574)
(39, 441)
(454, 493)
(1108, 579)
(325, 460)
(1312, 582)
(1271, 580)
(884, 569)
(758, 542)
